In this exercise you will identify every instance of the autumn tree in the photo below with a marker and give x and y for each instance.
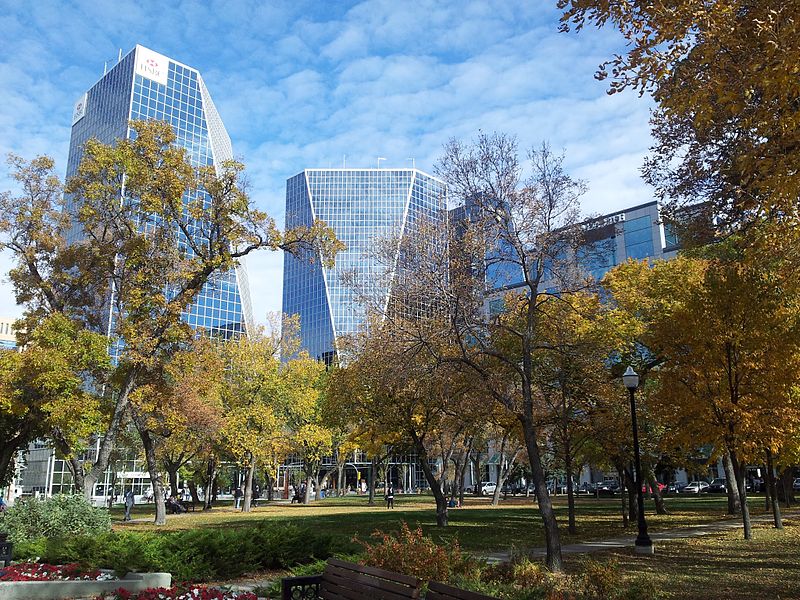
(529, 230)
(147, 232)
(724, 77)
(394, 388)
(728, 338)
(43, 388)
(305, 386)
(255, 395)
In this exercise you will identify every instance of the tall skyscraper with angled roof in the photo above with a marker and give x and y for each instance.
(146, 85)
(364, 207)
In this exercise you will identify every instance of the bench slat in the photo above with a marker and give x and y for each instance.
(348, 581)
(374, 571)
(360, 583)
(441, 591)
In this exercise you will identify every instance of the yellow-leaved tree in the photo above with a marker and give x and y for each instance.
(727, 334)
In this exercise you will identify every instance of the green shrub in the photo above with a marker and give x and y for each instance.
(59, 516)
(192, 555)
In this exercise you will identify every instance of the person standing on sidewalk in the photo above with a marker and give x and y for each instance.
(129, 502)
(390, 496)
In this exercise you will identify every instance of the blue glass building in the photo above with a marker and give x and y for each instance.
(363, 206)
(146, 85)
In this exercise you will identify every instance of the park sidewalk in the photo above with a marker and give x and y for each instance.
(628, 541)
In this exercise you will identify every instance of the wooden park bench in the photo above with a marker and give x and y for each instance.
(440, 591)
(352, 582)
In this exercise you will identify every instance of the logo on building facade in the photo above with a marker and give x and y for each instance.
(603, 222)
(152, 65)
(79, 111)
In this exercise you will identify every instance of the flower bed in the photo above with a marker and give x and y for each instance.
(33, 581)
(177, 593)
(45, 572)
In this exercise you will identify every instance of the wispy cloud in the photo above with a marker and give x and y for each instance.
(300, 84)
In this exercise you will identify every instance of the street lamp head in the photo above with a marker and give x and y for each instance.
(630, 378)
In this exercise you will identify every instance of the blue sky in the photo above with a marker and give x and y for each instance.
(302, 84)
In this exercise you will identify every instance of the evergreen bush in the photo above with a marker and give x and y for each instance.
(59, 516)
(190, 555)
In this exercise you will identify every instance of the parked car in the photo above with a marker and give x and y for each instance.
(512, 488)
(796, 485)
(718, 486)
(696, 487)
(488, 487)
(675, 487)
(586, 489)
(607, 488)
(646, 486)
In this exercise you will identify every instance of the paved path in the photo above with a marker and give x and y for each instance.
(628, 541)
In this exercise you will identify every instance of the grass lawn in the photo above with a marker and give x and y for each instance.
(720, 565)
(723, 566)
(478, 526)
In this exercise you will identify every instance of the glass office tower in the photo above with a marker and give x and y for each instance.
(364, 207)
(146, 85)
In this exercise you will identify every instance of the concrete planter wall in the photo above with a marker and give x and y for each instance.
(56, 590)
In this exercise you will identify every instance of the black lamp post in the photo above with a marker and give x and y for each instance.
(644, 545)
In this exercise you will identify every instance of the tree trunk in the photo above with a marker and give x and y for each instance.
(435, 484)
(501, 475)
(340, 479)
(75, 469)
(211, 478)
(767, 491)
(786, 481)
(656, 493)
(773, 492)
(731, 486)
(172, 472)
(458, 474)
(551, 534)
(633, 504)
(152, 468)
(320, 482)
(309, 483)
(247, 501)
(740, 474)
(268, 483)
(193, 492)
(623, 495)
(371, 480)
(110, 436)
(571, 526)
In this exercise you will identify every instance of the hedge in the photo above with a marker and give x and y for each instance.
(190, 555)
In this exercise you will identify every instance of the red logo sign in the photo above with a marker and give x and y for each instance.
(152, 63)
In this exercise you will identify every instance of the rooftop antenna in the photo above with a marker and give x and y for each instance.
(105, 67)
(413, 162)
(380, 158)
(344, 161)
(119, 55)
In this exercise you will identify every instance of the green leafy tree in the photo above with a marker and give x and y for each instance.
(43, 388)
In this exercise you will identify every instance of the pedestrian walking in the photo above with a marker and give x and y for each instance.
(238, 494)
(129, 502)
(390, 496)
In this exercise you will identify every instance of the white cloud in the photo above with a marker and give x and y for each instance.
(300, 84)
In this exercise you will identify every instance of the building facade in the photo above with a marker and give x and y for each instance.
(365, 208)
(145, 85)
(8, 337)
(635, 233)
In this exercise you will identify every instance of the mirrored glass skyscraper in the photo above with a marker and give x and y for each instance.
(364, 207)
(146, 85)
